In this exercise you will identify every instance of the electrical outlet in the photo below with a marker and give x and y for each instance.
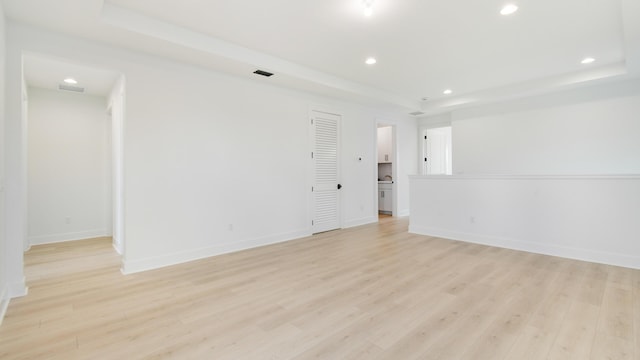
(472, 219)
(67, 220)
(230, 227)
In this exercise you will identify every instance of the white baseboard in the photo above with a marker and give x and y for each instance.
(4, 303)
(55, 238)
(134, 266)
(533, 247)
(361, 221)
(117, 248)
(17, 289)
(9, 292)
(403, 213)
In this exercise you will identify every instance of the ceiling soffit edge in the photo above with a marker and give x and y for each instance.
(131, 21)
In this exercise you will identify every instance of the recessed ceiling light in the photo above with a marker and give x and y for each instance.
(508, 9)
(368, 7)
(70, 81)
(587, 60)
(371, 61)
(447, 92)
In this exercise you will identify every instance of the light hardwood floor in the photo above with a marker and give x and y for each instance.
(372, 292)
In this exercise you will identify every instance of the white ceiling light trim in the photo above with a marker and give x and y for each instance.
(447, 92)
(370, 61)
(71, 81)
(508, 9)
(587, 60)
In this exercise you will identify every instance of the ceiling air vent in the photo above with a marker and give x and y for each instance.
(416, 113)
(70, 88)
(263, 73)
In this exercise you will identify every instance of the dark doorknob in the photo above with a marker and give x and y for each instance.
(339, 186)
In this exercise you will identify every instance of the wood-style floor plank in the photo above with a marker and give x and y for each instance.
(371, 292)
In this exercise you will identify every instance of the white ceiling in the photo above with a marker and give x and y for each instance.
(47, 73)
(422, 46)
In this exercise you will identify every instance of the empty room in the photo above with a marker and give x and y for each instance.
(340, 179)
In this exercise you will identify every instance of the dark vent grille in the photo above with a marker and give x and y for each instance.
(263, 73)
(416, 113)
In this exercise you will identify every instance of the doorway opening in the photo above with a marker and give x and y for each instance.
(387, 168)
(73, 140)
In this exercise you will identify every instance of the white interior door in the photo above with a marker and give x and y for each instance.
(326, 186)
(437, 159)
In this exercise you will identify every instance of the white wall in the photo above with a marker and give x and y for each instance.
(204, 150)
(117, 111)
(407, 164)
(69, 196)
(543, 203)
(15, 147)
(4, 288)
(591, 131)
(592, 218)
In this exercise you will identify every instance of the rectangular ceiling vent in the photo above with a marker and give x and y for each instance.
(416, 113)
(263, 73)
(70, 88)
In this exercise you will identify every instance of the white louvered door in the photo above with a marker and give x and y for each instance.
(326, 174)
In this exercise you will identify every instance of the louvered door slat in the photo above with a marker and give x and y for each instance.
(326, 199)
